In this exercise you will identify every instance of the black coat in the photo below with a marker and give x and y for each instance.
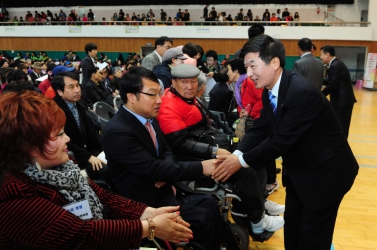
(135, 166)
(220, 98)
(163, 73)
(317, 159)
(97, 92)
(86, 64)
(84, 144)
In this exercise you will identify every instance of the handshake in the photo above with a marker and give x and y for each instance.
(222, 167)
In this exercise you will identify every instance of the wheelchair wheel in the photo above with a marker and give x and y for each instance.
(241, 236)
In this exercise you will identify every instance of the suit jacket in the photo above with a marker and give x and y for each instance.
(317, 159)
(311, 68)
(34, 77)
(150, 61)
(86, 64)
(84, 144)
(220, 98)
(339, 85)
(135, 165)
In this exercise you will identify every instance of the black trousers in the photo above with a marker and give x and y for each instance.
(344, 116)
(271, 171)
(248, 188)
(202, 212)
(305, 229)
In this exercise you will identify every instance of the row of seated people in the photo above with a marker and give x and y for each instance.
(149, 173)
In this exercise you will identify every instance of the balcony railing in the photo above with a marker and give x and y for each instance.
(189, 23)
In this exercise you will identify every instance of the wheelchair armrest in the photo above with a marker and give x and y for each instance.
(214, 188)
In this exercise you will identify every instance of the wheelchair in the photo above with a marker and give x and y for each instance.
(236, 234)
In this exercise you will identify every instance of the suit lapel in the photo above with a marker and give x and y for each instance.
(140, 130)
(283, 88)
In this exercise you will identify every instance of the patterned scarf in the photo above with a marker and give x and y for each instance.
(237, 90)
(70, 183)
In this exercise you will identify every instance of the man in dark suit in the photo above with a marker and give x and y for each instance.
(75, 57)
(142, 166)
(338, 85)
(87, 63)
(308, 65)
(162, 44)
(297, 123)
(84, 142)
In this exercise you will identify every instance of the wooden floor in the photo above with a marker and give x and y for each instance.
(356, 226)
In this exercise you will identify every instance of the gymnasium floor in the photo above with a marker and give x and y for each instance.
(356, 226)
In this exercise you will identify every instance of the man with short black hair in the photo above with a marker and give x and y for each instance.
(87, 63)
(298, 124)
(338, 85)
(84, 143)
(95, 91)
(142, 166)
(90, 15)
(162, 44)
(308, 65)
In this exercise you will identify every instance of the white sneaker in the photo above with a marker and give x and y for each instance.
(272, 208)
(268, 223)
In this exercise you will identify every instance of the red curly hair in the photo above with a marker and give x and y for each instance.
(28, 120)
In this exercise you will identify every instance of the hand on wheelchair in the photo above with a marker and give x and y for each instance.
(226, 166)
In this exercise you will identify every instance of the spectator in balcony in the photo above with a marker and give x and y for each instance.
(213, 13)
(115, 17)
(266, 17)
(289, 19)
(278, 13)
(72, 15)
(257, 18)
(285, 14)
(28, 15)
(176, 22)
(185, 16)
(268, 13)
(163, 15)
(15, 19)
(250, 14)
(121, 15)
(220, 17)
(296, 17)
(90, 15)
(150, 13)
(229, 18)
(84, 18)
(133, 17)
(205, 11)
(273, 19)
(62, 15)
(240, 15)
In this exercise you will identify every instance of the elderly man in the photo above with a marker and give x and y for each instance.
(142, 165)
(182, 120)
(162, 44)
(172, 58)
(36, 73)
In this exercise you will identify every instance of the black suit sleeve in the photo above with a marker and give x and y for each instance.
(332, 82)
(298, 116)
(119, 141)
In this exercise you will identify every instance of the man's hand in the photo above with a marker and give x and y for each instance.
(244, 113)
(227, 165)
(208, 167)
(96, 163)
(222, 151)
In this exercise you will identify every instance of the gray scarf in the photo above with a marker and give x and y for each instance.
(70, 183)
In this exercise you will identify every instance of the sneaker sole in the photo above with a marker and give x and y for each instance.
(273, 190)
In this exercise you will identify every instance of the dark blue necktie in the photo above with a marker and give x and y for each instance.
(272, 101)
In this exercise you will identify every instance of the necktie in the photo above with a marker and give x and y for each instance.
(272, 98)
(76, 115)
(148, 126)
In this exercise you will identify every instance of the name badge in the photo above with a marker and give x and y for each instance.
(81, 209)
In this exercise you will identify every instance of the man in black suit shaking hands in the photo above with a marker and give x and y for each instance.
(297, 123)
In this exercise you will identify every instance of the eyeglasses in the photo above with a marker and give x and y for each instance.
(160, 94)
(166, 47)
